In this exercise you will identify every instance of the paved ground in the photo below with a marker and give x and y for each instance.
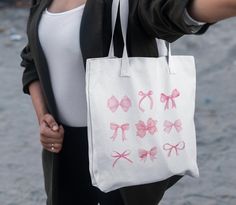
(21, 181)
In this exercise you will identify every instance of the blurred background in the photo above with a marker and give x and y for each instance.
(21, 177)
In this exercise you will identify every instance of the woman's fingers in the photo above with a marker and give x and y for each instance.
(51, 122)
(47, 131)
(49, 140)
(52, 147)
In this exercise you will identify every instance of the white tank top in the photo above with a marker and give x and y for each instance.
(59, 37)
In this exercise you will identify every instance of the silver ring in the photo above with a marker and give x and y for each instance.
(52, 147)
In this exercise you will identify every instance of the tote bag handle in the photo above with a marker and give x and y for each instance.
(124, 14)
(115, 5)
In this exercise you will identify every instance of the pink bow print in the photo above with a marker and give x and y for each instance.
(177, 147)
(123, 155)
(142, 129)
(144, 95)
(165, 98)
(113, 103)
(115, 127)
(169, 125)
(143, 154)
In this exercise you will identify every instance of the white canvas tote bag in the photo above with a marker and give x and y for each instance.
(140, 116)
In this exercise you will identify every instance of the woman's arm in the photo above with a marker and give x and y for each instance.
(50, 131)
(37, 100)
(211, 11)
(166, 19)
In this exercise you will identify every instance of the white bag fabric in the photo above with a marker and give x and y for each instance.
(140, 116)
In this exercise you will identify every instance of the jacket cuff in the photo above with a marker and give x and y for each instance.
(195, 25)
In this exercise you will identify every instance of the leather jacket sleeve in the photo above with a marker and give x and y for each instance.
(27, 62)
(165, 19)
(30, 72)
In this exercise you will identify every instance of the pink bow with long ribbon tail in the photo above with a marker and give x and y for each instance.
(115, 127)
(142, 129)
(123, 155)
(176, 147)
(113, 103)
(143, 154)
(144, 95)
(166, 99)
(169, 125)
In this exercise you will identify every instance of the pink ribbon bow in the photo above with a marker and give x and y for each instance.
(115, 127)
(144, 95)
(169, 125)
(177, 147)
(113, 103)
(142, 129)
(123, 155)
(143, 154)
(165, 98)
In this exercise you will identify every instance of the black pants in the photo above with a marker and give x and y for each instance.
(68, 182)
(74, 179)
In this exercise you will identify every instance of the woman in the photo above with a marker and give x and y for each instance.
(62, 34)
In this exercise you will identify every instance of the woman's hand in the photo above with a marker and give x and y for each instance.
(51, 135)
(211, 11)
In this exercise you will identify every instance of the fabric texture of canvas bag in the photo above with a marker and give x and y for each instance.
(140, 115)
